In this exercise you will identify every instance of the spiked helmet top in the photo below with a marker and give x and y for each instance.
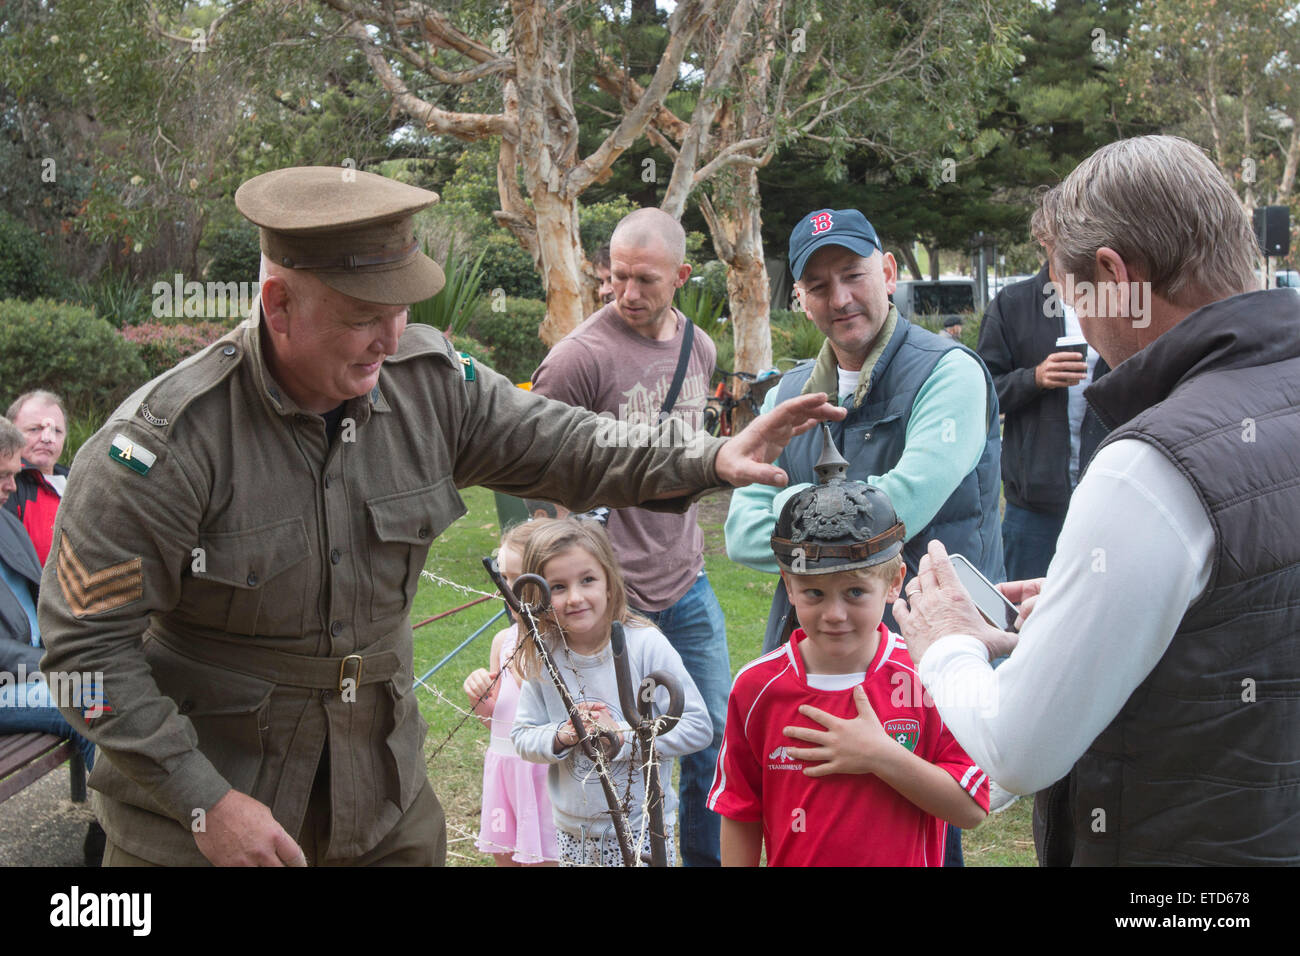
(836, 524)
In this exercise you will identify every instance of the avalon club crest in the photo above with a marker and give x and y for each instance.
(906, 730)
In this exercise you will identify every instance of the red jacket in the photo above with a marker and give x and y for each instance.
(35, 504)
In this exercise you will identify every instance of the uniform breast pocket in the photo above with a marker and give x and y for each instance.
(402, 526)
(262, 572)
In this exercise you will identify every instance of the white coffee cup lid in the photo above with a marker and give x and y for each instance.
(1070, 341)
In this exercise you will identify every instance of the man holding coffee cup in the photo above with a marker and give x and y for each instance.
(1040, 363)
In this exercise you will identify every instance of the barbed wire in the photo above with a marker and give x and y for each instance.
(648, 755)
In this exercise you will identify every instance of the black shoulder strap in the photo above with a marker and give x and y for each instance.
(688, 339)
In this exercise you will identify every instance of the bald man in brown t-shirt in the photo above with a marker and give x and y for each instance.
(622, 360)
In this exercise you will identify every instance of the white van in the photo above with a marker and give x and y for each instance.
(934, 297)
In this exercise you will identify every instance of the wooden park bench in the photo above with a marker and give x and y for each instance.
(25, 758)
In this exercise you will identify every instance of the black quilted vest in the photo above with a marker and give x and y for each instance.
(1202, 764)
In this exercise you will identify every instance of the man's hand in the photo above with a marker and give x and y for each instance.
(1024, 595)
(937, 605)
(240, 831)
(1060, 370)
(848, 746)
(746, 458)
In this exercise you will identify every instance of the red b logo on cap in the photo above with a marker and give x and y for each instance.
(820, 222)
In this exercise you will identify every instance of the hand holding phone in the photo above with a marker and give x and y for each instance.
(1024, 595)
(992, 605)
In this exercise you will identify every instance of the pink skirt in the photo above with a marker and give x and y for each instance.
(516, 817)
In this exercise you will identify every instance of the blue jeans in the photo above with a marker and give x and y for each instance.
(27, 708)
(1029, 541)
(696, 628)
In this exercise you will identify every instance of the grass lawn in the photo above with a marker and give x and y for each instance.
(455, 746)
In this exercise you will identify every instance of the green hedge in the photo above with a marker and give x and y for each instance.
(66, 349)
(511, 334)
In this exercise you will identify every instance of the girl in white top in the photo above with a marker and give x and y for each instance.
(587, 595)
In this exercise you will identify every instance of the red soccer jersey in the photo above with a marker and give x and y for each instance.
(842, 819)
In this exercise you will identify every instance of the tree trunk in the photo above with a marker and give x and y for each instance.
(933, 253)
(1287, 182)
(737, 229)
(557, 238)
(909, 259)
(548, 144)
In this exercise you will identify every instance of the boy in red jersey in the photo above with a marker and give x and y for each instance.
(843, 675)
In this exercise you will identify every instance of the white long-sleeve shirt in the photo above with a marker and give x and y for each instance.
(577, 798)
(1133, 555)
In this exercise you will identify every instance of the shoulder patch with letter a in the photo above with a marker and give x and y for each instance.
(105, 590)
(135, 456)
(467, 365)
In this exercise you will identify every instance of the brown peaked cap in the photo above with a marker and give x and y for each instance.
(353, 230)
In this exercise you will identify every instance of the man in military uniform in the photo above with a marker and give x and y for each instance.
(235, 563)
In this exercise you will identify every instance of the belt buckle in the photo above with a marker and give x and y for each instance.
(355, 675)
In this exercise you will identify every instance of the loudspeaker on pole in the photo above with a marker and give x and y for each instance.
(1273, 230)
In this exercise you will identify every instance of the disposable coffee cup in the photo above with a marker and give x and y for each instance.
(1073, 343)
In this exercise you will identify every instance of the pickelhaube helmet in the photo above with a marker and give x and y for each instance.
(836, 524)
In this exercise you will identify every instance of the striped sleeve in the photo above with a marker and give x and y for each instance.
(737, 791)
(951, 757)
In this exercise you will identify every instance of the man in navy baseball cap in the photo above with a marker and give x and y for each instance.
(831, 227)
(843, 279)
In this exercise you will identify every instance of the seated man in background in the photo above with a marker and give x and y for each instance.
(40, 418)
(25, 703)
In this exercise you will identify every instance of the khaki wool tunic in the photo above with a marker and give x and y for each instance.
(217, 562)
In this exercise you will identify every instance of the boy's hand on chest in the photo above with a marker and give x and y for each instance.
(843, 745)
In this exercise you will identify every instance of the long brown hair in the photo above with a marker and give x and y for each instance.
(553, 537)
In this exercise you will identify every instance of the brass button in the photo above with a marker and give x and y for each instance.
(252, 579)
(336, 628)
(336, 556)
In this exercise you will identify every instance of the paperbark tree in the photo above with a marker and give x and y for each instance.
(416, 52)
(1224, 73)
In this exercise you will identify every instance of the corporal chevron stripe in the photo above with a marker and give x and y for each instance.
(104, 590)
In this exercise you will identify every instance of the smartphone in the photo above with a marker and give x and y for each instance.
(995, 608)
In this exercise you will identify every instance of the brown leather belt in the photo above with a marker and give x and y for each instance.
(374, 665)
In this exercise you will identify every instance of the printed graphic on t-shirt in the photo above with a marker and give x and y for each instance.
(641, 403)
(782, 760)
(580, 766)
